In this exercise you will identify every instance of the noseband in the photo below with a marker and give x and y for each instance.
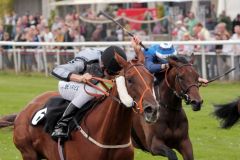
(183, 91)
(138, 105)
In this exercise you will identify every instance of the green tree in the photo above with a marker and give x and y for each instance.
(6, 6)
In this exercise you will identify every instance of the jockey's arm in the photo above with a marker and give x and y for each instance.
(69, 71)
(151, 66)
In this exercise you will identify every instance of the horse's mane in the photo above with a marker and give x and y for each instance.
(178, 58)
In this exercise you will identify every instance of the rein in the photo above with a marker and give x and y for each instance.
(138, 105)
(102, 82)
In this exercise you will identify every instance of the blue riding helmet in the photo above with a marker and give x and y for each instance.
(163, 50)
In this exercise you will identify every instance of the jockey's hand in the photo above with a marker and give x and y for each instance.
(86, 77)
(135, 42)
(164, 66)
(80, 78)
(203, 81)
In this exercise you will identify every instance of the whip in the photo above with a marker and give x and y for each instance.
(129, 33)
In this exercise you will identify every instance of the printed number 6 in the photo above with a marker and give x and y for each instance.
(38, 116)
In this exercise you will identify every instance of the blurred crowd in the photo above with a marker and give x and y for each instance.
(36, 28)
(216, 28)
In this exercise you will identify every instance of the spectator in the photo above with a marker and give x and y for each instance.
(186, 49)
(119, 33)
(48, 36)
(157, 29)
(56, 24)
(179, 31)
(235, 22)
(32, 21)
(18, 35)
(225, 19)
(96, 36)
(59, 37)
(6, 37)
(211, 19)
(192, 21)
(1, 32)
(112, 37)
(7, 56)
(221, 33)
(77, 36)
(200, 32)
(236, 36)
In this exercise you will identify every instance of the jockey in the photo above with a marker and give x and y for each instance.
(156, 57)
(73, 75)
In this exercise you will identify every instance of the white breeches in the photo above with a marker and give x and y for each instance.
(75, 92)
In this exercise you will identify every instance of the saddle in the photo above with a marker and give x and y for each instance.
(52, 111)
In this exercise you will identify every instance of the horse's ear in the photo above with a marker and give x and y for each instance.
(121, 61)
(172, 62)
(192, 58)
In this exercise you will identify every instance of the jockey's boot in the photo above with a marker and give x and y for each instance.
(61, 129)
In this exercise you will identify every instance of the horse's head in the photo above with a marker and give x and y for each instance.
(139, 84)
(182, 78)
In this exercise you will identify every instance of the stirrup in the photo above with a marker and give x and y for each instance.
(58, 133)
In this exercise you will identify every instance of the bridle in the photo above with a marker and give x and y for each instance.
(138, 105)
(183, 91)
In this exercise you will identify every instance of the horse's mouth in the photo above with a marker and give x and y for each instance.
(151, 115)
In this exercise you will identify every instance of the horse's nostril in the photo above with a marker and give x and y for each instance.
(194, 102)
(148, 109)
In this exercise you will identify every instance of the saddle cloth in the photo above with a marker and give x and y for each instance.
(52, 111)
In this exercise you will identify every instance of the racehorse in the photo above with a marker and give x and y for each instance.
(170, 131)
(228, 113)
(108, 125)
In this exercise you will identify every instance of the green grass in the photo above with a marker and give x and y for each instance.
(209, 141)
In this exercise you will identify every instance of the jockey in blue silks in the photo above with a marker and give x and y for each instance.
(156, 56)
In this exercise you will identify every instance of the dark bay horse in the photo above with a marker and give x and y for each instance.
(108, 124)
(228, 113)
(171, 130)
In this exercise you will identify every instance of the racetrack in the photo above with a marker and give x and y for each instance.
(209, 141)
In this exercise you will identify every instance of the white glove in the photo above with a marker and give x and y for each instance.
(165, 66)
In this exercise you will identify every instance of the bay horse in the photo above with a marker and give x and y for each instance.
(228, 113)
(179, 82)
(108, 124)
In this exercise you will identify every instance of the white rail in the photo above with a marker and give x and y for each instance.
(124, 43)
(42, 50)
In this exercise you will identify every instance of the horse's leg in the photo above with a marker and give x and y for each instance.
(28, 153)
(159, 148)
(186, 149)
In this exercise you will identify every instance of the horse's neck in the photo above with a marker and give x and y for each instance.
(168, 98)
(112, 121)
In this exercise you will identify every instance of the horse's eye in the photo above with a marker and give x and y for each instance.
(180, 77)
(129, 81)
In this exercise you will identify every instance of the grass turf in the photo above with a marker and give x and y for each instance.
(209, 141)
